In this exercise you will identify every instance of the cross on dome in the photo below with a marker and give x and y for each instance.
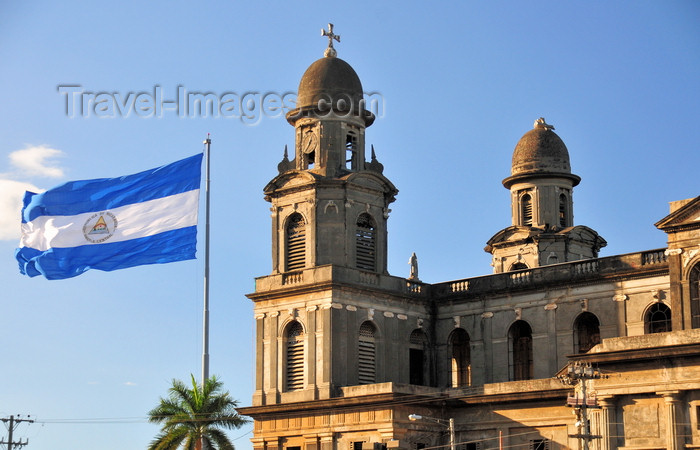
(330, 51)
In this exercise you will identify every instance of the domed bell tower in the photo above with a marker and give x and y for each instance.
(541, 187)
(330, 205)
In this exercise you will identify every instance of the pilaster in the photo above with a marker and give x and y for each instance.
(608, 422)
(672, 400)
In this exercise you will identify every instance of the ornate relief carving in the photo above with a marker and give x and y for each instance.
(584, 304)
(689, 255)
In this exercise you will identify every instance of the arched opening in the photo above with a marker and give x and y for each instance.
(586, 332)
(295, 245)
(563, 211)
(366, 243)
(518, 266)
(417, 358)
(695, 295)
(520, 346)
(461, 360)
(526, 210)
(367, 348)
(351, 155)
(294, 357)
(657, 319)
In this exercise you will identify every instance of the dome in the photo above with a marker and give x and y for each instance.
(330, 81)
(540, 153)
(328, 77)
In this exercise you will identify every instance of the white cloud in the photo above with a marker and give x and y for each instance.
(129, 383)
(11, 195)
(36, 161)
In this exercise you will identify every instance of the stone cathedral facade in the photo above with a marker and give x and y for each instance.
(345, 352)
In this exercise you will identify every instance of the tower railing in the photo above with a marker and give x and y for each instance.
(584, 270)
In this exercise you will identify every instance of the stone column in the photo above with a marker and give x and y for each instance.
(551, 309)
(486, 321)
(272, 445)
(273, 343)
(620, 299)
(325, 441)
(310, 443)
(683, 319)
(260, 354)
(312, 357)
(672, 399)
(607, 422)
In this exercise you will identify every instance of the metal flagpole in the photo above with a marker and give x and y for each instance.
(205, 327)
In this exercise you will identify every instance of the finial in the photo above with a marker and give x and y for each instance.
(540, 123)
(330, 51)
(286, 154)
(374, 156)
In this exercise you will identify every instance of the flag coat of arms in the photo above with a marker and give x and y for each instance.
(112, 223)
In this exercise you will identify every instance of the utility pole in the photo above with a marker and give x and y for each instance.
(578, 374)
(13, 423)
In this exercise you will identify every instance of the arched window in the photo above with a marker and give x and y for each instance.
(518, 266)
(367, 363)
(520, 346)
(657, 319)
(526, 210)
(586, 332)
(563, 213)
(295, 253)
(417, 357)
(294, 357)
(366, 243)
(351, 151)
(695, 295)
(461, 362)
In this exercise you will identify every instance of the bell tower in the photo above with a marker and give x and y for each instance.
(329, 205)
(541, 190)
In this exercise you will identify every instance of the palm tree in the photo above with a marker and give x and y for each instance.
(192, 417)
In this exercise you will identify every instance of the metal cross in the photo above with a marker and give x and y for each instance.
(330, 35)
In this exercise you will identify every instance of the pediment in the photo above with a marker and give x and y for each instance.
(510, 234)
(289, 180)
(685, 216)
(372, 180)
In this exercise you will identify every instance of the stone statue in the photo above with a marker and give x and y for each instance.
(413, 261)
(540, 123)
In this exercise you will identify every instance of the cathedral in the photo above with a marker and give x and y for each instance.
(557, 349)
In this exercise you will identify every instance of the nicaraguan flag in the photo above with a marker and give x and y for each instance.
(112, 223)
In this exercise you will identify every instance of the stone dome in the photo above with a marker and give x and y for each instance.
(330, 81)
(540, 153)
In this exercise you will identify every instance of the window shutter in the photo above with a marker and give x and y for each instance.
(365, 243)
(296, 242)
(295, 357)
(526, 203)
(366, 355)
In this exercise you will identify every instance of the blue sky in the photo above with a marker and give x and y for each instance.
(460, 83)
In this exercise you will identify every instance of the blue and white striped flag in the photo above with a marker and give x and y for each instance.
(112, 223)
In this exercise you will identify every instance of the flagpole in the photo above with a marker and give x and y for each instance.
(205, 327)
